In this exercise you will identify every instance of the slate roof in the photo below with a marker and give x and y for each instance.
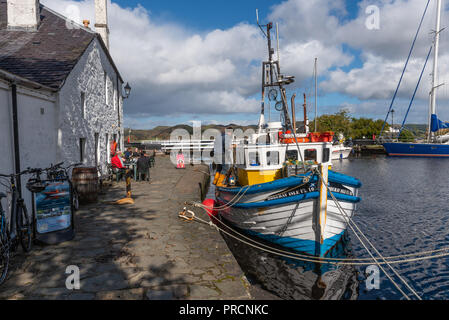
(48, 55)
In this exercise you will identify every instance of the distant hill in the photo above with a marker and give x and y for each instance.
(164, 132)
(418, 130)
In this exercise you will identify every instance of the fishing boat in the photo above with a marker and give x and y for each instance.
(279, 187)
(434, 145)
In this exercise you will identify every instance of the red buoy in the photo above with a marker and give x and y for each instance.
(209, 205)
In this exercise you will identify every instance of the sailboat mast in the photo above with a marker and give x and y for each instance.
(435, 64)
(316, 91)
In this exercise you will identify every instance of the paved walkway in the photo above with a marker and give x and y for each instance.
(140, 251)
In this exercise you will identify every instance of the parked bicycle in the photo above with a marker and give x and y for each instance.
(57, 172)
(18, 228)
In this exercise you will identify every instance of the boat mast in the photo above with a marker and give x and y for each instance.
(435, 67)
(272, 77)
(316, 91)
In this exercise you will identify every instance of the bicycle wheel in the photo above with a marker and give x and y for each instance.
(24, 228)
(4, 251)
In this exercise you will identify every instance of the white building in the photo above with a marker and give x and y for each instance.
(60, 91)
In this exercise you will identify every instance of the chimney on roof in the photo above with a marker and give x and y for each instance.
(101, 20)
(23, 14)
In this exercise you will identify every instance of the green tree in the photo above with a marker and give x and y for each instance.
(339, 122)
(364, 127)
(354, 128)
(406, 136)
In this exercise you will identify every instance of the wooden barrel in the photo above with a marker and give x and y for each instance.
(85, 180)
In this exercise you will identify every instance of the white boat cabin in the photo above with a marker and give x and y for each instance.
(264, 162)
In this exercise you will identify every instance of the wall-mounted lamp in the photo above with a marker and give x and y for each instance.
(127, 91)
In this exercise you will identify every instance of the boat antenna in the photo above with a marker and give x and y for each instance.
(277, 41)
(260, 27)
(267, 35)
(271, 75)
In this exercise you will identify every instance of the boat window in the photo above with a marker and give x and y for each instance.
(310, 154)
(291, 155)
(326, 153)
(272, 158)
(254, 159)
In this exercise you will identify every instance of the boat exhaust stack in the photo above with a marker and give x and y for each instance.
(306, 125)
(293, 112)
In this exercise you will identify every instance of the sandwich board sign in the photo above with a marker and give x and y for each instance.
(53, 214)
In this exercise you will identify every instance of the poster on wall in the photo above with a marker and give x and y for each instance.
(53, 207)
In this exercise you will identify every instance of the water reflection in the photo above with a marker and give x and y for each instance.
(403, 210)
(293, 279)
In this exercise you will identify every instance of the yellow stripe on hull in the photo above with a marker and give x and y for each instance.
(250, 177)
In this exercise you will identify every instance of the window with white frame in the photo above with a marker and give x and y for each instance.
(272, 158)
(310, 155)
(253, 158)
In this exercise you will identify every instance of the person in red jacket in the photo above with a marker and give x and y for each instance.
(117, 162)
(117, 166)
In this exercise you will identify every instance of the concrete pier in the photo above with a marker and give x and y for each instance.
(139, 251)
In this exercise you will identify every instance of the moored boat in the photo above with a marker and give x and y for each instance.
(434, 146)
(339, 151)
(279, 186)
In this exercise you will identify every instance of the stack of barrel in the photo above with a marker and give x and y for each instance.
(85, 181)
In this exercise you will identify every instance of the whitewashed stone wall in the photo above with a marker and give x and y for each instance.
(50, 125)
(89, 77)
(37, 131)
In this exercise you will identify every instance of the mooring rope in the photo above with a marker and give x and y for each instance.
(350, 222)
(289, 255)
(334, 261)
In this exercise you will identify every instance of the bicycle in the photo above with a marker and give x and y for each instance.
(57, 172)
(53, 205)
(18, 228)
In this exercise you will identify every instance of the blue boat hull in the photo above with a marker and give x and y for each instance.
(399, 149)
(326, 249)
(313, 248)
(292, 213)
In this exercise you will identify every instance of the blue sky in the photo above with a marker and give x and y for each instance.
(200, 60)
(206, 15)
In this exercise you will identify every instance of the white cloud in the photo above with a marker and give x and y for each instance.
(174, 70)
(399, 20)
